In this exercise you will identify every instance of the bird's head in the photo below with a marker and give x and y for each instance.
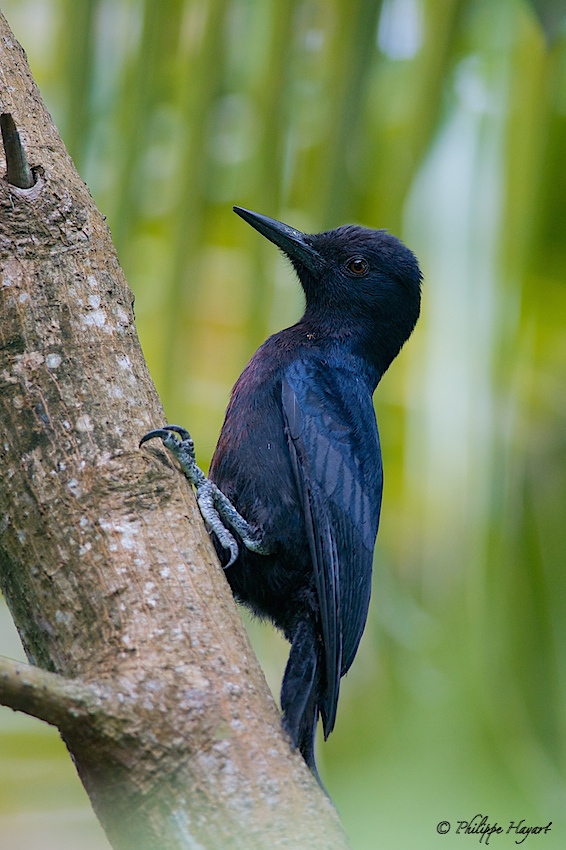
(359, 283)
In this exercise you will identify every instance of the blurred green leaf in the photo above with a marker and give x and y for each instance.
(552, 16)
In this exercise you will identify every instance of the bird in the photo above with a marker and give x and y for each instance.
(293, 496)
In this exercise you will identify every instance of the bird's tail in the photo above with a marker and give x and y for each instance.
(300, 692)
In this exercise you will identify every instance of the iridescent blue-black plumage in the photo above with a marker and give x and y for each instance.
(299, 456)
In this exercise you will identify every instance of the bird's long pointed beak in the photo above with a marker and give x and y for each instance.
(294, 243)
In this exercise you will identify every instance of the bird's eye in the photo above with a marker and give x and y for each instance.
(357, 265)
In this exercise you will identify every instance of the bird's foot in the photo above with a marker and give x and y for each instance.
(216, 509)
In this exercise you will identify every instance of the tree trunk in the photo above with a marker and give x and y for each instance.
(137, 651)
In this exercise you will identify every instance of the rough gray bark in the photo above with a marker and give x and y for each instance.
(137, 653)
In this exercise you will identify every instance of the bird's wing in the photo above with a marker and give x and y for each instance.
(336, 458)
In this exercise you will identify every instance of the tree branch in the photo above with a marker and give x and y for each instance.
(104, 560)
(18, 172)
(47, 696)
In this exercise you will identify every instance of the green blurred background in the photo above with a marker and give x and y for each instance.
(445, 122)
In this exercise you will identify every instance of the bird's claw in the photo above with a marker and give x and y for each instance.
(169, 440)
(216, 509)
(180, 443)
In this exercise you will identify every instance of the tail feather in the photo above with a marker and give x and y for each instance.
(300, 693)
